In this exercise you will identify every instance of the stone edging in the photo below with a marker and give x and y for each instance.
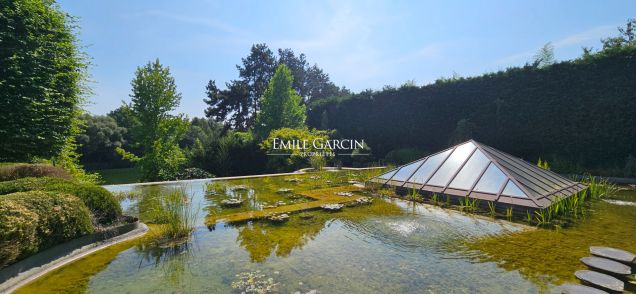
(300, 171)
(14, 277)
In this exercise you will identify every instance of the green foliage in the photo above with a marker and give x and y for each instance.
(34, 221)
(174, 211)
(543, 164)
(103, 205)
(626, 37)
(599, 188)
(23, 170)
(281, 106)
(193, 173)
(237, 105)
(297, 157)
(42, 73)
(154, 97)
(545, 56)
(528, 112)
(100, 136)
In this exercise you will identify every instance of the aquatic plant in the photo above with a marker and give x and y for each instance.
(528, 217)
(413, 194)
(434, 198)
(599, 187)
(509, 213)
(469, 204)
(175, 213)
(491, 209)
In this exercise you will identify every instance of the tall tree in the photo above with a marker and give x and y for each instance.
(154, 96)
(281, 106)
(41, 80)
(237, 105)
(544, 57)
(626, 37)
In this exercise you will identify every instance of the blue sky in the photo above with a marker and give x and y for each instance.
(361, 44)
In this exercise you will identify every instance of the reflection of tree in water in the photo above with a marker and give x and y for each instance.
(261, 238)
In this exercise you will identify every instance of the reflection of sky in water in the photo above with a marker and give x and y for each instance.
(355, 251)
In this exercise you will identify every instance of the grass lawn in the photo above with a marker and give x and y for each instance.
(119, 175)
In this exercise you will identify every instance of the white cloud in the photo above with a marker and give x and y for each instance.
(199, 21)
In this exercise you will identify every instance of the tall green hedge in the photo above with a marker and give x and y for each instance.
(103, 205)
(33, 221)
(577, 114)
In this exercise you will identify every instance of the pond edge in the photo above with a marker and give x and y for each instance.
(13, 277)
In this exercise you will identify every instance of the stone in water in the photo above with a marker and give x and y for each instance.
(600, 280)
(580, 289)
(607, 265)
(613, 253)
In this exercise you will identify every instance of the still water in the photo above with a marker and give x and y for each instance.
(390, 246)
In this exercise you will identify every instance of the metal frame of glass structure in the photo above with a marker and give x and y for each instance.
(478, 171)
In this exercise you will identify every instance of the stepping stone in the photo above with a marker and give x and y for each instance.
(600, 280)
(580, 289)
(613, 253)
(607, 265)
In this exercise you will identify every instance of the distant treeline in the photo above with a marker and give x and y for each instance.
(579, 114)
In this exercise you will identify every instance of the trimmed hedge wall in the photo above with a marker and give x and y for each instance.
(35, 220)
(577, 114)
(102, 204)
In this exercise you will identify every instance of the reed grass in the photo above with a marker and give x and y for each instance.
(176, 215)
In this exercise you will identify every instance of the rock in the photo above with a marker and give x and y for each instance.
(332, 207)
(607, 265)
(600, 280)
(580, 289)
(362, 200)
(613, 253)
(239, 188)
(284, 190)
(231, 202)
(344, 194)
(279, 218)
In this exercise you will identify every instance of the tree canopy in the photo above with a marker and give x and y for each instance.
(41, 80)
(158, 132)
(281, 106)
(237, 105)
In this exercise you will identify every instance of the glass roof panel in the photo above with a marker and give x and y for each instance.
(406, 171)
(450, 166)
(388, 175)
(513, 190)
(470, 172)
(424, 172)
(491, 181)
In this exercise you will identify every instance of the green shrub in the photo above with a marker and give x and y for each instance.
(35, 220)
(22, 170)
(103, 205)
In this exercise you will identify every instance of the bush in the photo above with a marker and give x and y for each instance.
(103, 205)
(193, 173)
(22, 170)
(33, 221)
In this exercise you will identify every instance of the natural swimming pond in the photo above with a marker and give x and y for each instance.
(389, 246)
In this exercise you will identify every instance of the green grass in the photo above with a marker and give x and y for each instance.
(116, 176)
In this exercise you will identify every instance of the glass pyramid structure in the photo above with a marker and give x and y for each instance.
(478, 171)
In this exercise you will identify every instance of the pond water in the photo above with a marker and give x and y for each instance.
(390, 246)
